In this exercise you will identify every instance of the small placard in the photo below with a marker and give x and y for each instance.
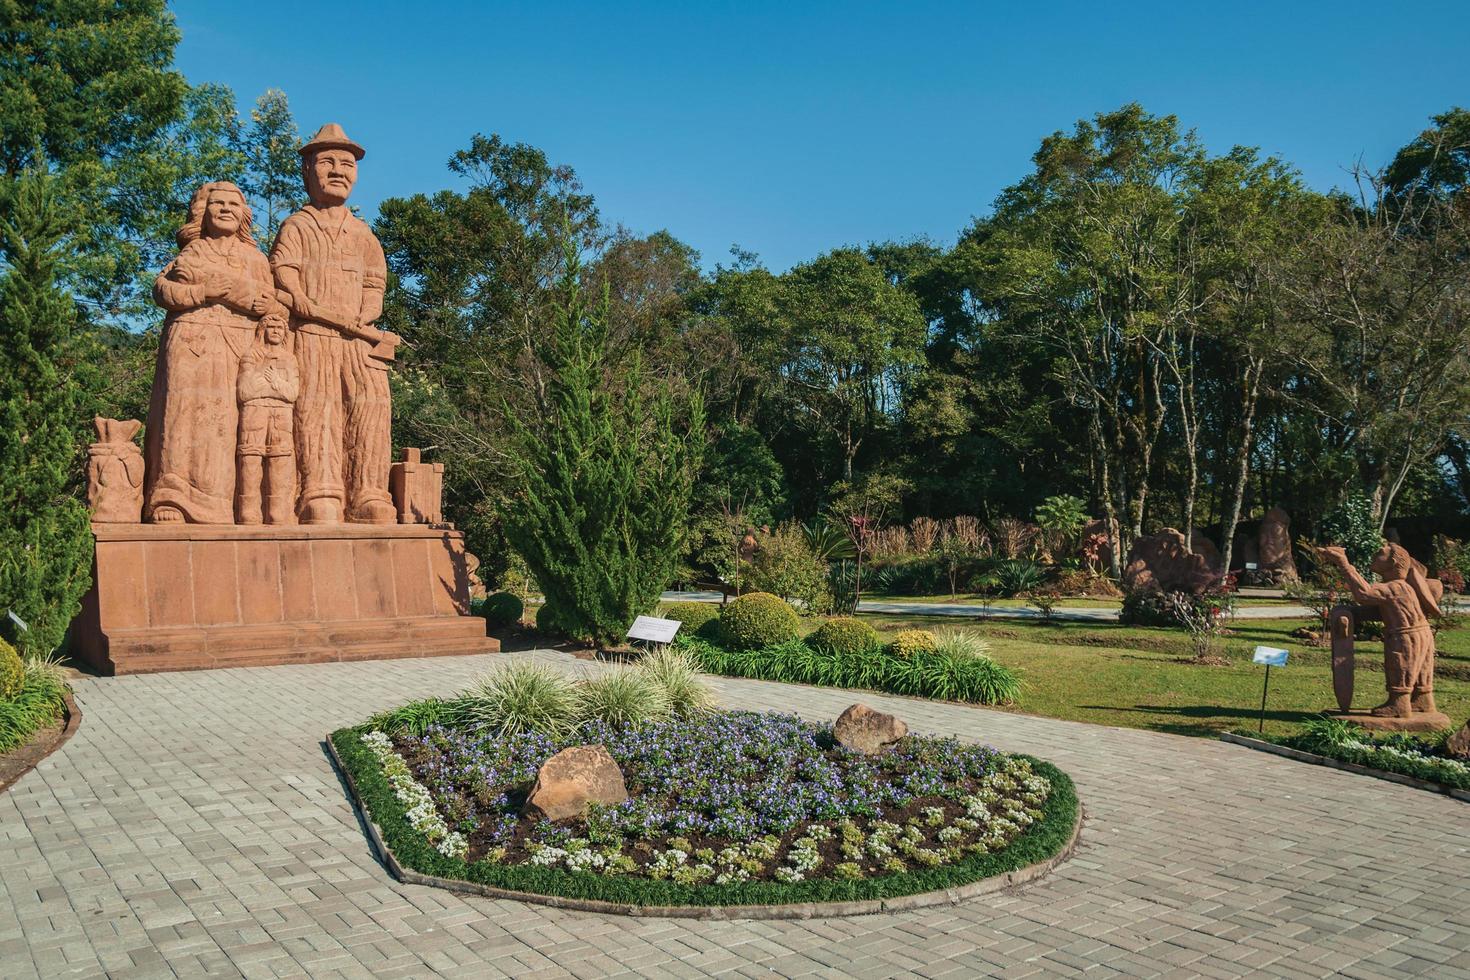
(18, 621)
(1251, 566)
(653, 630)
(1271, 656)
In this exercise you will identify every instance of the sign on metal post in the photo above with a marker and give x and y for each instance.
(651, 629)
(1271, 657)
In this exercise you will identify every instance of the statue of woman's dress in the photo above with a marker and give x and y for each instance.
(211, 292)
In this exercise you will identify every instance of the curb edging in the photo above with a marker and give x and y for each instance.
(69, 728)
(1286, 752)
(803, 910)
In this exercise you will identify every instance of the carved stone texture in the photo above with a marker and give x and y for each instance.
(214, 291)
(266, 453)
(1405, 601)
(1274, 540)
(1458, 744)
(1161, 563)
(573, 778)
(115, 472)
(418, 489)
(865, 730)
(330, 270)
(1201, 545)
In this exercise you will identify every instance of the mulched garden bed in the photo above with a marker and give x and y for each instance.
(726, 809)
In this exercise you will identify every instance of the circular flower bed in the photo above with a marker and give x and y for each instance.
(725, 808)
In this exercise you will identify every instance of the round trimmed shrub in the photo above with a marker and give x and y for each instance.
(909, 642)
(843, 635)
(694, 617)
(757, 620)
(502, 608)
(12, 672)
(547, 620)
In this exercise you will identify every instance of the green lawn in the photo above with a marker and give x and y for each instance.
(1070, 602)
(1133, 676)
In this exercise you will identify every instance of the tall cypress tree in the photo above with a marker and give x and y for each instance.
(606, 474)
(45, 542)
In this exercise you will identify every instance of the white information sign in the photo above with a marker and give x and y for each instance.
(1251, 566)
(18, 621)
(653, 630)
(1271, 656)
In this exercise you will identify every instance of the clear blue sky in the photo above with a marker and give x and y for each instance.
(792, 128)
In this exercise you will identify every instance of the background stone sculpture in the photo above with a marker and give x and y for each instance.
(330, 269)
(1161, 563)
(214, 291)
(1275, 558)
(115, 472)
(418, 489)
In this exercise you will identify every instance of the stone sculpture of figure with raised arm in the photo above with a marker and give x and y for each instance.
(214, 291)
(330, 270)
(1405, 600)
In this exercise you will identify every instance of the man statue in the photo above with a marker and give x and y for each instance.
(1405, 599)
(330, 272)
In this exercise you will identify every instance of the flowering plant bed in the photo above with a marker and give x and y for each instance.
(725, 809)
(1416, 757)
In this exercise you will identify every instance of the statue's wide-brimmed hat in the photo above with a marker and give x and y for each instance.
(331, 137)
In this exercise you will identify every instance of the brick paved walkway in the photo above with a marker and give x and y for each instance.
(194, 825)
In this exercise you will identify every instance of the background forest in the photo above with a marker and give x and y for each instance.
(1178, 335)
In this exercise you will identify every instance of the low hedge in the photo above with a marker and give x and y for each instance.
(1044, 840)
(694, 617)
(502, 609)
(924, 674)
(758, 619)
(844, 634)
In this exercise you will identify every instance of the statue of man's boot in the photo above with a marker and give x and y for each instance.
(1423, 702)
(373, 512)
(321, 510)
(247, 497)
(1397, 706)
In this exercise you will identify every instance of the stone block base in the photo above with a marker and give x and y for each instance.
(1421, 721)
(193, 596)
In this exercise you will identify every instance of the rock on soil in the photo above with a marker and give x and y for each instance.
(573, 778)
(864, 730)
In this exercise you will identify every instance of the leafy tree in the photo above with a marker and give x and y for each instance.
(852, 334)
(273, 164)
(604, 475)
(45, 542)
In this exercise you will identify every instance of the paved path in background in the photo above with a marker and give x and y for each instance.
(194, 825)
(972, 610)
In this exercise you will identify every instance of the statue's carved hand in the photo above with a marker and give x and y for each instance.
(263, 304)
(1334, 555)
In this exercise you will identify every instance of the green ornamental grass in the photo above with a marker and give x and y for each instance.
(676, 673)
(38, 702)
(621, 697)
(951, 676)
(523, 697)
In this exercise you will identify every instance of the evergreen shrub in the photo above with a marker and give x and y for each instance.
(910, 642)
(502, 609)
(12, 672)
(693, 617)
(758, 619)
(843, 634)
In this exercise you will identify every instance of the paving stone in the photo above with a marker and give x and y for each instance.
(194, 826)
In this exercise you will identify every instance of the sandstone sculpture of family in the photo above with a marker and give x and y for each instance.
(270, 401)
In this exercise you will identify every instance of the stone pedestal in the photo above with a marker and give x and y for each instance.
(192, 596)
(1419, 721)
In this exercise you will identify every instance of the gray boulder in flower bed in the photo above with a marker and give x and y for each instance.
(572, 779)
(862, 729)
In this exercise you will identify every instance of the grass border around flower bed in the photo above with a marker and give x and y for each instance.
(1268, 745)
(413, 860)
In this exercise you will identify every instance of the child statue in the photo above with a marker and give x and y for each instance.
(1405, 599)
(265, 456)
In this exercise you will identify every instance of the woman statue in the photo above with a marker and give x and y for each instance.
(214, 291)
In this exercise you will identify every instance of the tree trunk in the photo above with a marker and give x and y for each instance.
(1253, 372)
